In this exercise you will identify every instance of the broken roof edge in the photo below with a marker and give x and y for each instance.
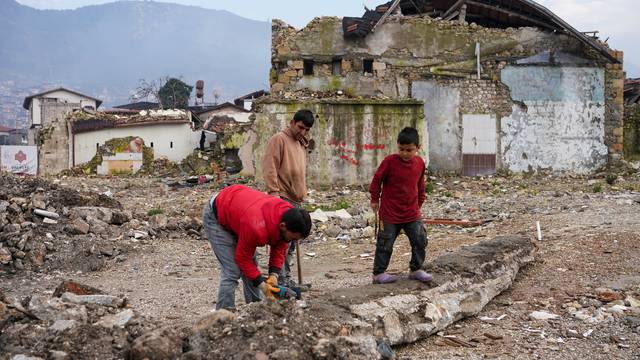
(28, 99)
(606, 52)
(337, 101)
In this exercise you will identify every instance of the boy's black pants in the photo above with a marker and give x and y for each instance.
(386, 238)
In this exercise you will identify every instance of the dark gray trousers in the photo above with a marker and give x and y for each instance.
(224, 244)
(386, 238)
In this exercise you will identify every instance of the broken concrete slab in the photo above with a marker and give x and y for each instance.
(104, 300)
(348, 322)
(120, 319)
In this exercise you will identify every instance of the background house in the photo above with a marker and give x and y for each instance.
(53, 105)
(247, 100)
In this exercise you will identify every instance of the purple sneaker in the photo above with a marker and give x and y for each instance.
(421, 275)
(384, 278)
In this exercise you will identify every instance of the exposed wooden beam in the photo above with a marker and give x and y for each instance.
(384, 17)
(463, 14)
(511, 14)
(453, 8)
(452, 15)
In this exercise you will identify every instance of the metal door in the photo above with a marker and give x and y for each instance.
(478, 145)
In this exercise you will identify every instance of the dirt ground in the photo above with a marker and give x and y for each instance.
(590, 240)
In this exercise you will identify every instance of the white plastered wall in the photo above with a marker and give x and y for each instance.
(161, 135)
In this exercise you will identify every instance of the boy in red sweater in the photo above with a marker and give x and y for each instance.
(400, 178)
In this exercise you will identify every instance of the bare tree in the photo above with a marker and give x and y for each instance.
(149, 90)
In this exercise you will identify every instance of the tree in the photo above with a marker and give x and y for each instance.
(148, 90)
(174, 94)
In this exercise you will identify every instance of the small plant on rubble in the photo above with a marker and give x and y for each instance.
(596, 188)
(429, 187)
(611, 179)
(155, 211)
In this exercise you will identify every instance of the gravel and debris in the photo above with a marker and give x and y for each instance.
(585, 277)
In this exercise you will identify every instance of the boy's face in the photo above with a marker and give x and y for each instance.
(407, 151)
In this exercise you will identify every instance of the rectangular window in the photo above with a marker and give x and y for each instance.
(171, 145)
(307, 67)
(336, 67)
(152, 144)
(367, 66)
(97, 146)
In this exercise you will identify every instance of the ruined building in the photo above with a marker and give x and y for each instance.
(632, 119)
(491, 85)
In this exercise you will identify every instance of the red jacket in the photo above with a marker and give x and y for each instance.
(402, 186)
(254, 217)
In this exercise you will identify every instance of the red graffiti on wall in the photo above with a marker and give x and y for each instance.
(344, 150)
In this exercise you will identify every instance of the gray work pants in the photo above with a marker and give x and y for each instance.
(224, 244)
(284, 278)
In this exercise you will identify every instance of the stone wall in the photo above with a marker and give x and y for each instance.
(351, 137)
(402, 50)
(614, 107)
(632, 132)
(53, 139)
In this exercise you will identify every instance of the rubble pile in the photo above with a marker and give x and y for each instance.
(362, 323)
(77, 322)
(43, 224)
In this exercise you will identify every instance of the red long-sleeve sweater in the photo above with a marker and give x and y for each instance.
(402, 185)
(254, 217)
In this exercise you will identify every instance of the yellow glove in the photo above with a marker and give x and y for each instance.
(272, 279)
(268, 290)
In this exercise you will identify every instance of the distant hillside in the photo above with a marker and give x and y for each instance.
(104, 50)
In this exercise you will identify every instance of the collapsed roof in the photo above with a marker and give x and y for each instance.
(632, 91)
(488, 13)
(83, 121)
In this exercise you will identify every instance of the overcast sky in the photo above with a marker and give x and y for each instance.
(615, 19)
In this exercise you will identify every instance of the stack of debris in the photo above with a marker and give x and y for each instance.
(77, 322)
(38, 218)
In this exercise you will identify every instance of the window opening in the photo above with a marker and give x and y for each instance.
(307, 67)
(367, 66)
(336, 67)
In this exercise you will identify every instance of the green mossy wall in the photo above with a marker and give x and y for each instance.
(351, 137)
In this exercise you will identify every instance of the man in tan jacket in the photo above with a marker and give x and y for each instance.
(284, 169)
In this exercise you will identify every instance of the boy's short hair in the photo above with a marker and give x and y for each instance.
(304, 115)
(408, 136)
(297, 220)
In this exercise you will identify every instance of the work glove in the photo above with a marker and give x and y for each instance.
(287, 293)
(272, 279)
(268, 290)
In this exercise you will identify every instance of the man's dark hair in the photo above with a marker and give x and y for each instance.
(408, 136)
(297, 220)
(306, 116)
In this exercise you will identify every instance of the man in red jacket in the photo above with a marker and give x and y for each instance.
(236, 222)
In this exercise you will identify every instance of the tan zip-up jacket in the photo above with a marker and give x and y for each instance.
(284, 166)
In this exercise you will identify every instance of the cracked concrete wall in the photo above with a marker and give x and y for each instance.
(441, 109)
(561, 122)
(446, 101)
(351, 137)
